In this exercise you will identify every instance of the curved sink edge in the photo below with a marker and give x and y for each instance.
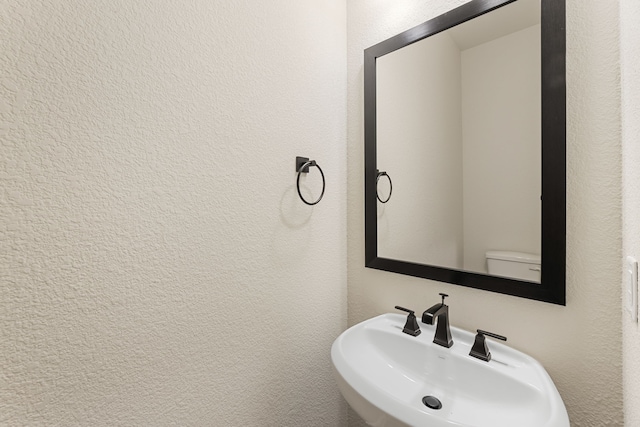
(379, 405)
(371, 405)
(368, 411)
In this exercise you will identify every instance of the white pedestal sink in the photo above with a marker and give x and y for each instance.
(384, 374)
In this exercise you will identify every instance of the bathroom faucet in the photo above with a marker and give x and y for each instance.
(439, 313)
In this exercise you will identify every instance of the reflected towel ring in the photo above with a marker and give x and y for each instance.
(378, 175)
(302, 166)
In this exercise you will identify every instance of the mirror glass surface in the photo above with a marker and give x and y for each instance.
(458, 132)
(465, 114)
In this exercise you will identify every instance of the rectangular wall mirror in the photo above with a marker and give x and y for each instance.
(465, 149)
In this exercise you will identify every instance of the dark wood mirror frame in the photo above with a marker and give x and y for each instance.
(552, 288)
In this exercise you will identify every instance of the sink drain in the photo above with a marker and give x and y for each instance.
(432, 402)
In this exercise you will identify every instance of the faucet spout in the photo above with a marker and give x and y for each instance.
(439, 313)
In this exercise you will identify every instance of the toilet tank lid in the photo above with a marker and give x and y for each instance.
(514, 256)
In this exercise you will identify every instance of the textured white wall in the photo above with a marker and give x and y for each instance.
(580, 344)
(630, 84)
(156, 265)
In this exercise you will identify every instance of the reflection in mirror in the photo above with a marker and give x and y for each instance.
(458, 117)
(467, 113)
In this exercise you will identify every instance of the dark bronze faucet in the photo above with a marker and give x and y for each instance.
(439, 313)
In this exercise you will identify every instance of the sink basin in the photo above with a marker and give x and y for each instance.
(384, 374)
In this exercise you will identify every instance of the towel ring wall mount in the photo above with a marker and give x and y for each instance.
(302, 166)
(378, 175)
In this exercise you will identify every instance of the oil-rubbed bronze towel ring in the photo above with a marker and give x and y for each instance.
(378, 175)
(302, 166)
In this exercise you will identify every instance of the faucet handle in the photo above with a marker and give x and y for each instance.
(443, 296)
(411, 327)
(480, 349)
